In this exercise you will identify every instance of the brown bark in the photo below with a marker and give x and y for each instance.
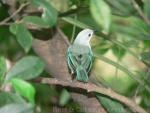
(91, 89)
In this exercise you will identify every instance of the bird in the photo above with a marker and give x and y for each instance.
(80, 56)
(80, 59)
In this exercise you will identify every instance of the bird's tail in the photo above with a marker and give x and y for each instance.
(81, 74)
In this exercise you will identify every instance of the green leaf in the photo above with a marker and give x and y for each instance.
(26, 68)
(23, 36)
(24, 89)
(49, 14)
(75, 22)
(100, 50)
(118, 52)
(146, 43)
(9, 98)
(101, 13)
(17, 108)
(3, 69)
(132, 27)
(14, 28)
(146, 8)
(35, 20)
(121, 7)
(62, 5)
(64, 97)
(112, 106)
(145, 56)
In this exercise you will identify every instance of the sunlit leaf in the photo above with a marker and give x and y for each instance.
(61, 5)
(49, 14)
(112, 106)
(17, 108)
(101, 13)
(26, 68)
(22, 34)
(24, 89)
(3, 69)
(64, 97)
(14, 28)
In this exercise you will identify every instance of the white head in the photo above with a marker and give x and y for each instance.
(83, 38)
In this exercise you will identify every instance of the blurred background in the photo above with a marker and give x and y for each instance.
(121, 47)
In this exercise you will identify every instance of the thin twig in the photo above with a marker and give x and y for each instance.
(73, 11)
(138, 9)
(139, 86)
(89, 87)
(4, 22)
(74, 29)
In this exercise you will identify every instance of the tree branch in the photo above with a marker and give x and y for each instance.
(4, 22)
(138, 9)
(89, 87)
(79, 9)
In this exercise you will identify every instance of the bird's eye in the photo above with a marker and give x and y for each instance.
(89, 35)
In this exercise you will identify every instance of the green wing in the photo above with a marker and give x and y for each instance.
(79, 62)
(72, 64)
(87, 61)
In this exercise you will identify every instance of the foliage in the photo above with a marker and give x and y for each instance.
(26, 68)
(122, 30)
(111, 105)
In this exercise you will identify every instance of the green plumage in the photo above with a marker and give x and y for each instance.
(79, 59)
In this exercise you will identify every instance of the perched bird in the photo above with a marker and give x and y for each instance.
(79, 59)
(79, 55)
